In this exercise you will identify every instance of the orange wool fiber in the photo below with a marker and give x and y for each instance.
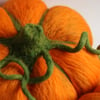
(28, 11)
(65, 24)
(11, 89)
(82, 68)
(3, 51)
(54, 88)
(60, 23)
(57, 87)
(90, 96)
(95, 95)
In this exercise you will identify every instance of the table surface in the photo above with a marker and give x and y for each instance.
(89, 9)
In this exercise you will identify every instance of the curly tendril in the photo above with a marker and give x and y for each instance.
(3, 63)
(24, 79)
(31, 43)
(83, 42)
(50, 65)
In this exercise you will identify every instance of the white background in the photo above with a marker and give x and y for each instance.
(89, 9)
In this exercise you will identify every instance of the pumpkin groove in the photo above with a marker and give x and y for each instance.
(62, 70)
(52, 83)
(24, 12)
(91, 96)
(82, 77)
(48, 90)
(94, 95)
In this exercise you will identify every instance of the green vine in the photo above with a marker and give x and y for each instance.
(31, 43)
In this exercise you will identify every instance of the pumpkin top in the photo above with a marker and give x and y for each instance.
(31, 42)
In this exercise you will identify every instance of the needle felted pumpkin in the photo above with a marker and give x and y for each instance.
(36, 60)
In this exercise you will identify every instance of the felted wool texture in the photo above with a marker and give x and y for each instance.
(65, 24)
(28, 11)
(94, 95)
(54, 91)
(24, 12)
(82, 67)
(11, 89)
(90, 96)
(57, 87)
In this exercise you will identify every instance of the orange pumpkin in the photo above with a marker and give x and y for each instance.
(59, 23)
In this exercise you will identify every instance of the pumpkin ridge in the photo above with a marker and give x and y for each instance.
(16, 23)
(62, 70)
(34, 42)
(26, 12)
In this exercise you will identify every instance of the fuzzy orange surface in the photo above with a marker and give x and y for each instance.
(82, 68)
(91, 96)
(94, 95)
(64, 23)
(60, 23)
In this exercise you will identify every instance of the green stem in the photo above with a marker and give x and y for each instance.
(25, 90)
(82, 42)
(5, 41)
(50, 66)
(24, 79)
(29, 44)
(80, 45)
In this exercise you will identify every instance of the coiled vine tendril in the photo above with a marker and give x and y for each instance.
(31, 43)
